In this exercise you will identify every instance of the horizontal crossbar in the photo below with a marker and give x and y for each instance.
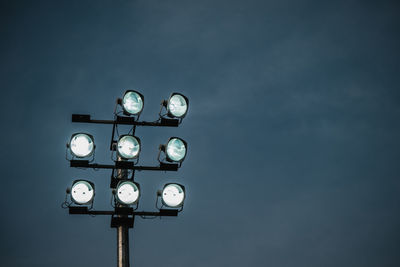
(123, 211)
(123, 165)
(163, 122)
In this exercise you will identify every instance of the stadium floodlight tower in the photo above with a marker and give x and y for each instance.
(127, 147)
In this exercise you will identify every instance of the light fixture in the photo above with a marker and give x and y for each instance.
(128, 146)
(127, 192)
(82, 192)
(175, 149)
(177, 105)
(173, 195)
(132, 102)
(81, 145)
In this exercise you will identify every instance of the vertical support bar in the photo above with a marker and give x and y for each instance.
(123, 245)
(112, 137)
(122, 231)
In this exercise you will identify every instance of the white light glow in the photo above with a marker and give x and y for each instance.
(82, 192)
(127, 193)
(81, 145)
(176, 149)
(173, 195)
(132, 103)
(177, 106)
(128, 147)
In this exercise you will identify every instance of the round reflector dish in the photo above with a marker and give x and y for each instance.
(177, 106)
(127, 193)
(81, 145)
(82, 192)
(173, 195)
(176, 149)
(128, 147)
(132, 102)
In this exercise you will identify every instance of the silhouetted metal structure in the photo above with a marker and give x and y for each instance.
(123, 217)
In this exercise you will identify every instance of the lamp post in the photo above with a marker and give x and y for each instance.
(127, 148)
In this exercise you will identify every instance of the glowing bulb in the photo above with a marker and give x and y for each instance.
(132, 102)
(128, 147)
(82, 192)
(81, 145)
(127, 193)
(176, 149)
(173, 195)
(177, 106)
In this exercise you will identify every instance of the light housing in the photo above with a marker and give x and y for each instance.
(81, 145)
(132, 103)
(128, 146)
(175, 149)
(82, 192)
(177, 106)
(127, 192)
(173, 195)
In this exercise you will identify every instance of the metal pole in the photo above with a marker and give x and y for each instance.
(122, 232)
(123, 246)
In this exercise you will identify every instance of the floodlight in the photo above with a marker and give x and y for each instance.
(128, 146)
(127, 193)
(132, 102)
(177, 105)
(175, 149)
(81, 145)
(173, 195)
(82, 192)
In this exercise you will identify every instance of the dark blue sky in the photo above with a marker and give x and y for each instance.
(293, 129)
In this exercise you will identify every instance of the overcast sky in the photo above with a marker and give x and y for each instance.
(293, 129)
